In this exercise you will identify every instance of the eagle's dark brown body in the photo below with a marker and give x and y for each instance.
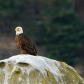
(25, 45)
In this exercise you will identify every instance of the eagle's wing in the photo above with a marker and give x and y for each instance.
(27, 45)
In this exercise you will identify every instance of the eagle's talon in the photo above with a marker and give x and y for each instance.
(20, 54)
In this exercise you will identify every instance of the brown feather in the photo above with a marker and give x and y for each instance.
(25, 45)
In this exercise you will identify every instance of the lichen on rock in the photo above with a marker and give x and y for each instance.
(28, 69)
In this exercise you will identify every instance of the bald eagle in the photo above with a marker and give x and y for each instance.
(23, 43)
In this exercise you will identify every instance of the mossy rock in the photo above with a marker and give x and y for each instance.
(27, 69)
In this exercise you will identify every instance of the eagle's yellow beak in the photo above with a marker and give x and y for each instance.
(16, 29)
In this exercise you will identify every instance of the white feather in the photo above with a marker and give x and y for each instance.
(20, 30)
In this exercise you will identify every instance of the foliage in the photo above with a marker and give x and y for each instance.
(56, 28)
(61, 32)
(13, 13)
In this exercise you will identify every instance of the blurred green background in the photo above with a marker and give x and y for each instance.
(56, 27)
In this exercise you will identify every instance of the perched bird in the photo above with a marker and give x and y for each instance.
(23, 43)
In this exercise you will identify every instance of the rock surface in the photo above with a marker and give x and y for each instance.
(27, 69)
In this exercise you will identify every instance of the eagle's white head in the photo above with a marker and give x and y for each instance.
(18, 30)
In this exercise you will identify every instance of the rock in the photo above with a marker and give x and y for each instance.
(27, 69)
